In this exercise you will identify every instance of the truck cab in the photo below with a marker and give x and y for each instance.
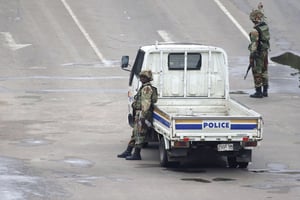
(181, 70)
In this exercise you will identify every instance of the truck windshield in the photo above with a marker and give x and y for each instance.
(176, 61)
(136, 68)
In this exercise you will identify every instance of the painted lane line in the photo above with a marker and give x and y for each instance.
(235, 22)
(11, 43)
(78, 90)
(164, 35)
(108, 63)
(84, 32)
(7, 78)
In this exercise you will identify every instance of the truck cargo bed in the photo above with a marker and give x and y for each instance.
(205, 107)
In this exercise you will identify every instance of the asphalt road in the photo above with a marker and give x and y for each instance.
(63, 99)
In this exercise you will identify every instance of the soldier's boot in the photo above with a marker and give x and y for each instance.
(136, 155)
(265, 90)
(257, 94)
(126, 153)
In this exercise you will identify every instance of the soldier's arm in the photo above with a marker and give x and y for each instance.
(146, 100)
(254, 37)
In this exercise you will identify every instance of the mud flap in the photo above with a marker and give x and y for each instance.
(244, 155)
(177, 153)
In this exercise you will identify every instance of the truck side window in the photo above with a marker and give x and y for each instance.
(138, 63)
(176, 61)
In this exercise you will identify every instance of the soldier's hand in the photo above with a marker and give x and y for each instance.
(142, 121)
(148, 123)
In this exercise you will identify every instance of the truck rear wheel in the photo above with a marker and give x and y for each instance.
(232, 163)
(243, 165)
(163, 155)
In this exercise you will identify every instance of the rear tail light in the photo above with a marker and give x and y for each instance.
(179, 144)
(250, 144)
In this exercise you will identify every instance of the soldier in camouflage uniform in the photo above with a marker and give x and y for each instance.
(142, 107)
(258, 47)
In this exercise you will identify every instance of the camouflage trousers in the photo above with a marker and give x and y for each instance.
(260, 70)
(139, 132)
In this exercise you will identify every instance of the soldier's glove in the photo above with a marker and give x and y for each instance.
(142, 120)
(148, 123)
(145, 122)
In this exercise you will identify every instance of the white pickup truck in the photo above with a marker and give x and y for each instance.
(194, 110)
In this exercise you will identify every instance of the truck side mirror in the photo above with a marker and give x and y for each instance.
(124, 62)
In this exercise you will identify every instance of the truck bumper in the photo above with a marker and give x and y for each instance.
(243, 155)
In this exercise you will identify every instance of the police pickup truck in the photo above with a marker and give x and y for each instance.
(194, 111)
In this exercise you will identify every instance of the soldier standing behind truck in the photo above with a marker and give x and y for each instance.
(258, 47)
(143, 110)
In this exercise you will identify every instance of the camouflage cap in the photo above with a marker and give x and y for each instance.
(146, 73)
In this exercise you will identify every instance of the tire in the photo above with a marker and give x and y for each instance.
(243, 165)
(163, 155)
(145, 145)
(232, 163)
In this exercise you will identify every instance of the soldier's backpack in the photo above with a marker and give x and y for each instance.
(154, 96)
(264, 36)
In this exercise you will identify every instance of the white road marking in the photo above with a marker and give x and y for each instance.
(11, 43)
(164, 35)
(84, 32)
(107, 64)
(8, 78)
(235, 22)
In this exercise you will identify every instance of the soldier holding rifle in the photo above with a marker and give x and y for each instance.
(258, 47)
(143, 109)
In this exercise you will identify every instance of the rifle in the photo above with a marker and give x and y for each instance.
(251, 64)
(249, 67)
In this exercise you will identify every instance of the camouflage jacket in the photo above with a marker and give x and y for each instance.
(259, 38)
(142, 101)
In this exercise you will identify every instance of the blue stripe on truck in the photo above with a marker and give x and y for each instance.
(157, 117)
(243, 126)
(200, 127)
(188, 126)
